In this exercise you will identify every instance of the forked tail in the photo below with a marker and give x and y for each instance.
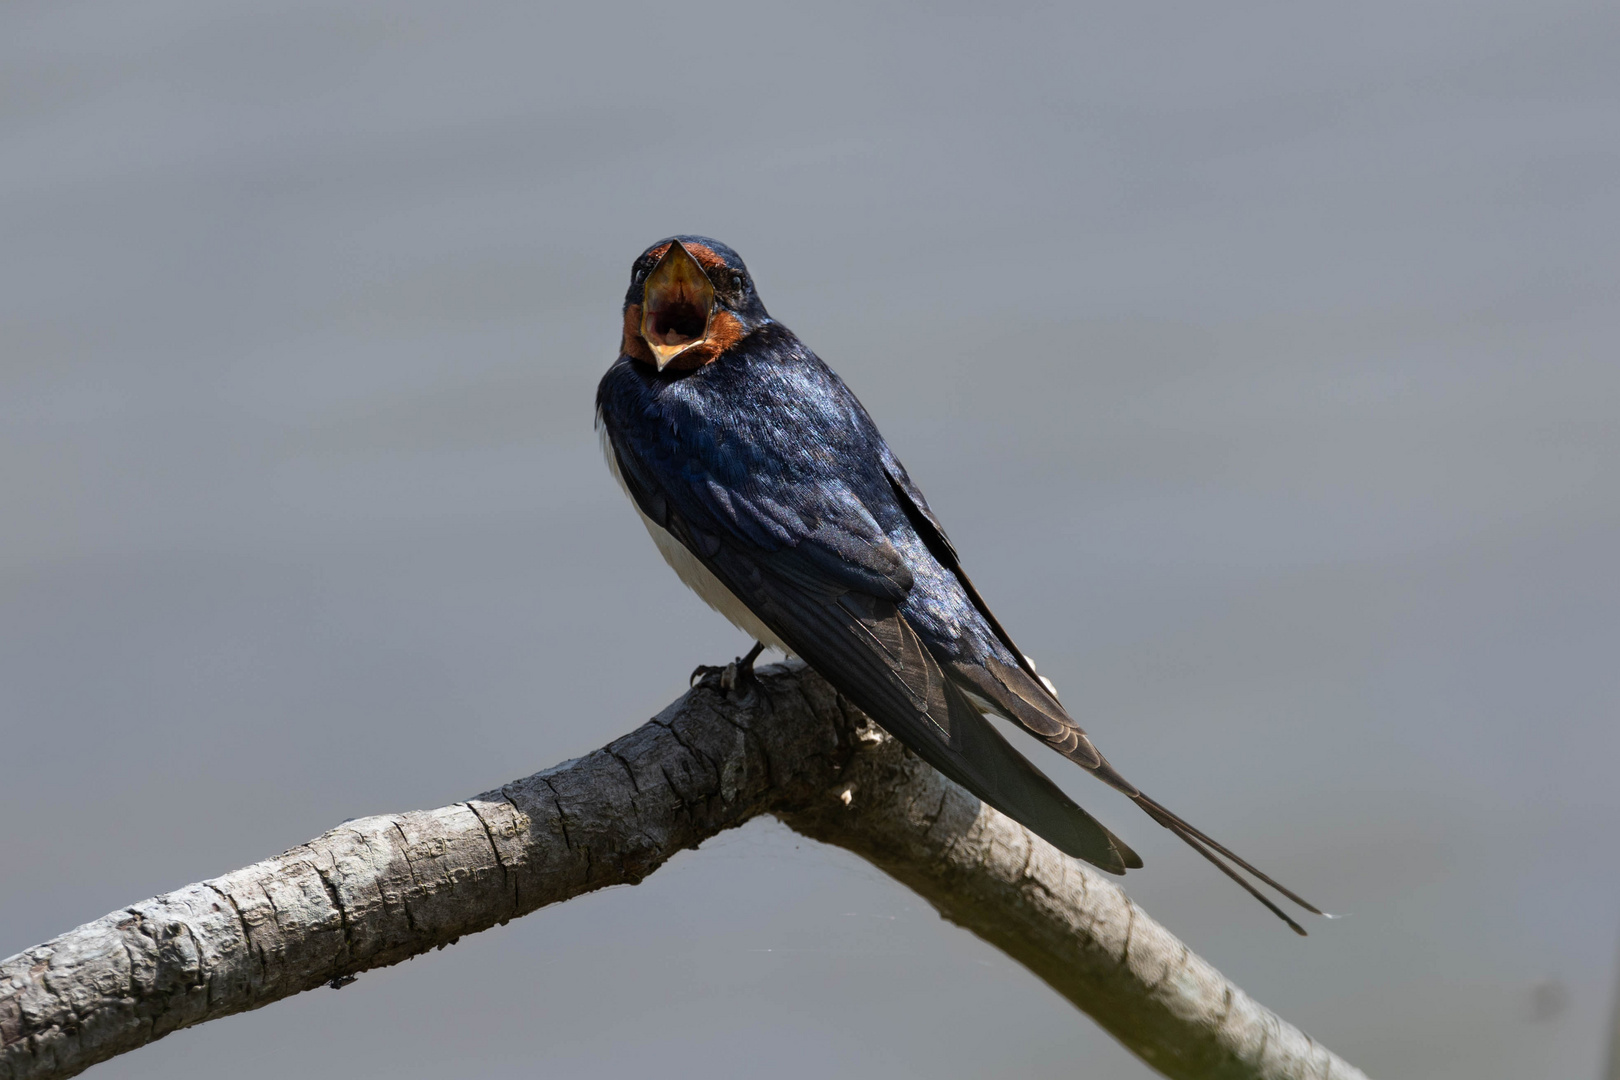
(1211, 849)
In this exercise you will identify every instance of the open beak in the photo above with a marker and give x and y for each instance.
(677, 305)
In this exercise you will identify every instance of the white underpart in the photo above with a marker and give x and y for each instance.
(688, 568)
(1050, 689)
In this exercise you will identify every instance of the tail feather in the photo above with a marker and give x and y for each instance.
(1190, 834)
(1247, 885)
(1173, 824)
(1202, 843)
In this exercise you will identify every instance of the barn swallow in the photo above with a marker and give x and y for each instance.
(769, 490)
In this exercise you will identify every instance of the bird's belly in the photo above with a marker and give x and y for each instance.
(697, 577)
(702, 581)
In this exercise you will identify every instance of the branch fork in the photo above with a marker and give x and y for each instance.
(379, 890)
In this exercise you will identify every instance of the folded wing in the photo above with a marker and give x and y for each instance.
(831, 596)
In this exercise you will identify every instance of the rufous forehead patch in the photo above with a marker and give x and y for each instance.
(706, 257)
(704, 254)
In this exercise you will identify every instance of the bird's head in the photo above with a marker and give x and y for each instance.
(690, 300)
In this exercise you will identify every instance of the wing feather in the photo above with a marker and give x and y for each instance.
(832, 599)
(1014, 692)
(863, 645)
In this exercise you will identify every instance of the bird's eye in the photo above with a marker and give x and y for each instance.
(737, 282)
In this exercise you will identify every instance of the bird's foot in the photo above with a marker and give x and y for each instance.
(739, 674)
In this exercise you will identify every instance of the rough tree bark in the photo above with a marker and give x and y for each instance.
(379, 890)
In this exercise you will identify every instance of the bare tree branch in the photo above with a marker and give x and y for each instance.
(379, 890)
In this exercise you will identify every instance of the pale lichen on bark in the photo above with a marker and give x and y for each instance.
(376, 891)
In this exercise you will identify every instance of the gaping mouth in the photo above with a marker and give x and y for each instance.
(676, 305)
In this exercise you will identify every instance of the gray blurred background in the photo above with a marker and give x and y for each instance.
(1260, 359)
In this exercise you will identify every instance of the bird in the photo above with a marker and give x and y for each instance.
(769, 490)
